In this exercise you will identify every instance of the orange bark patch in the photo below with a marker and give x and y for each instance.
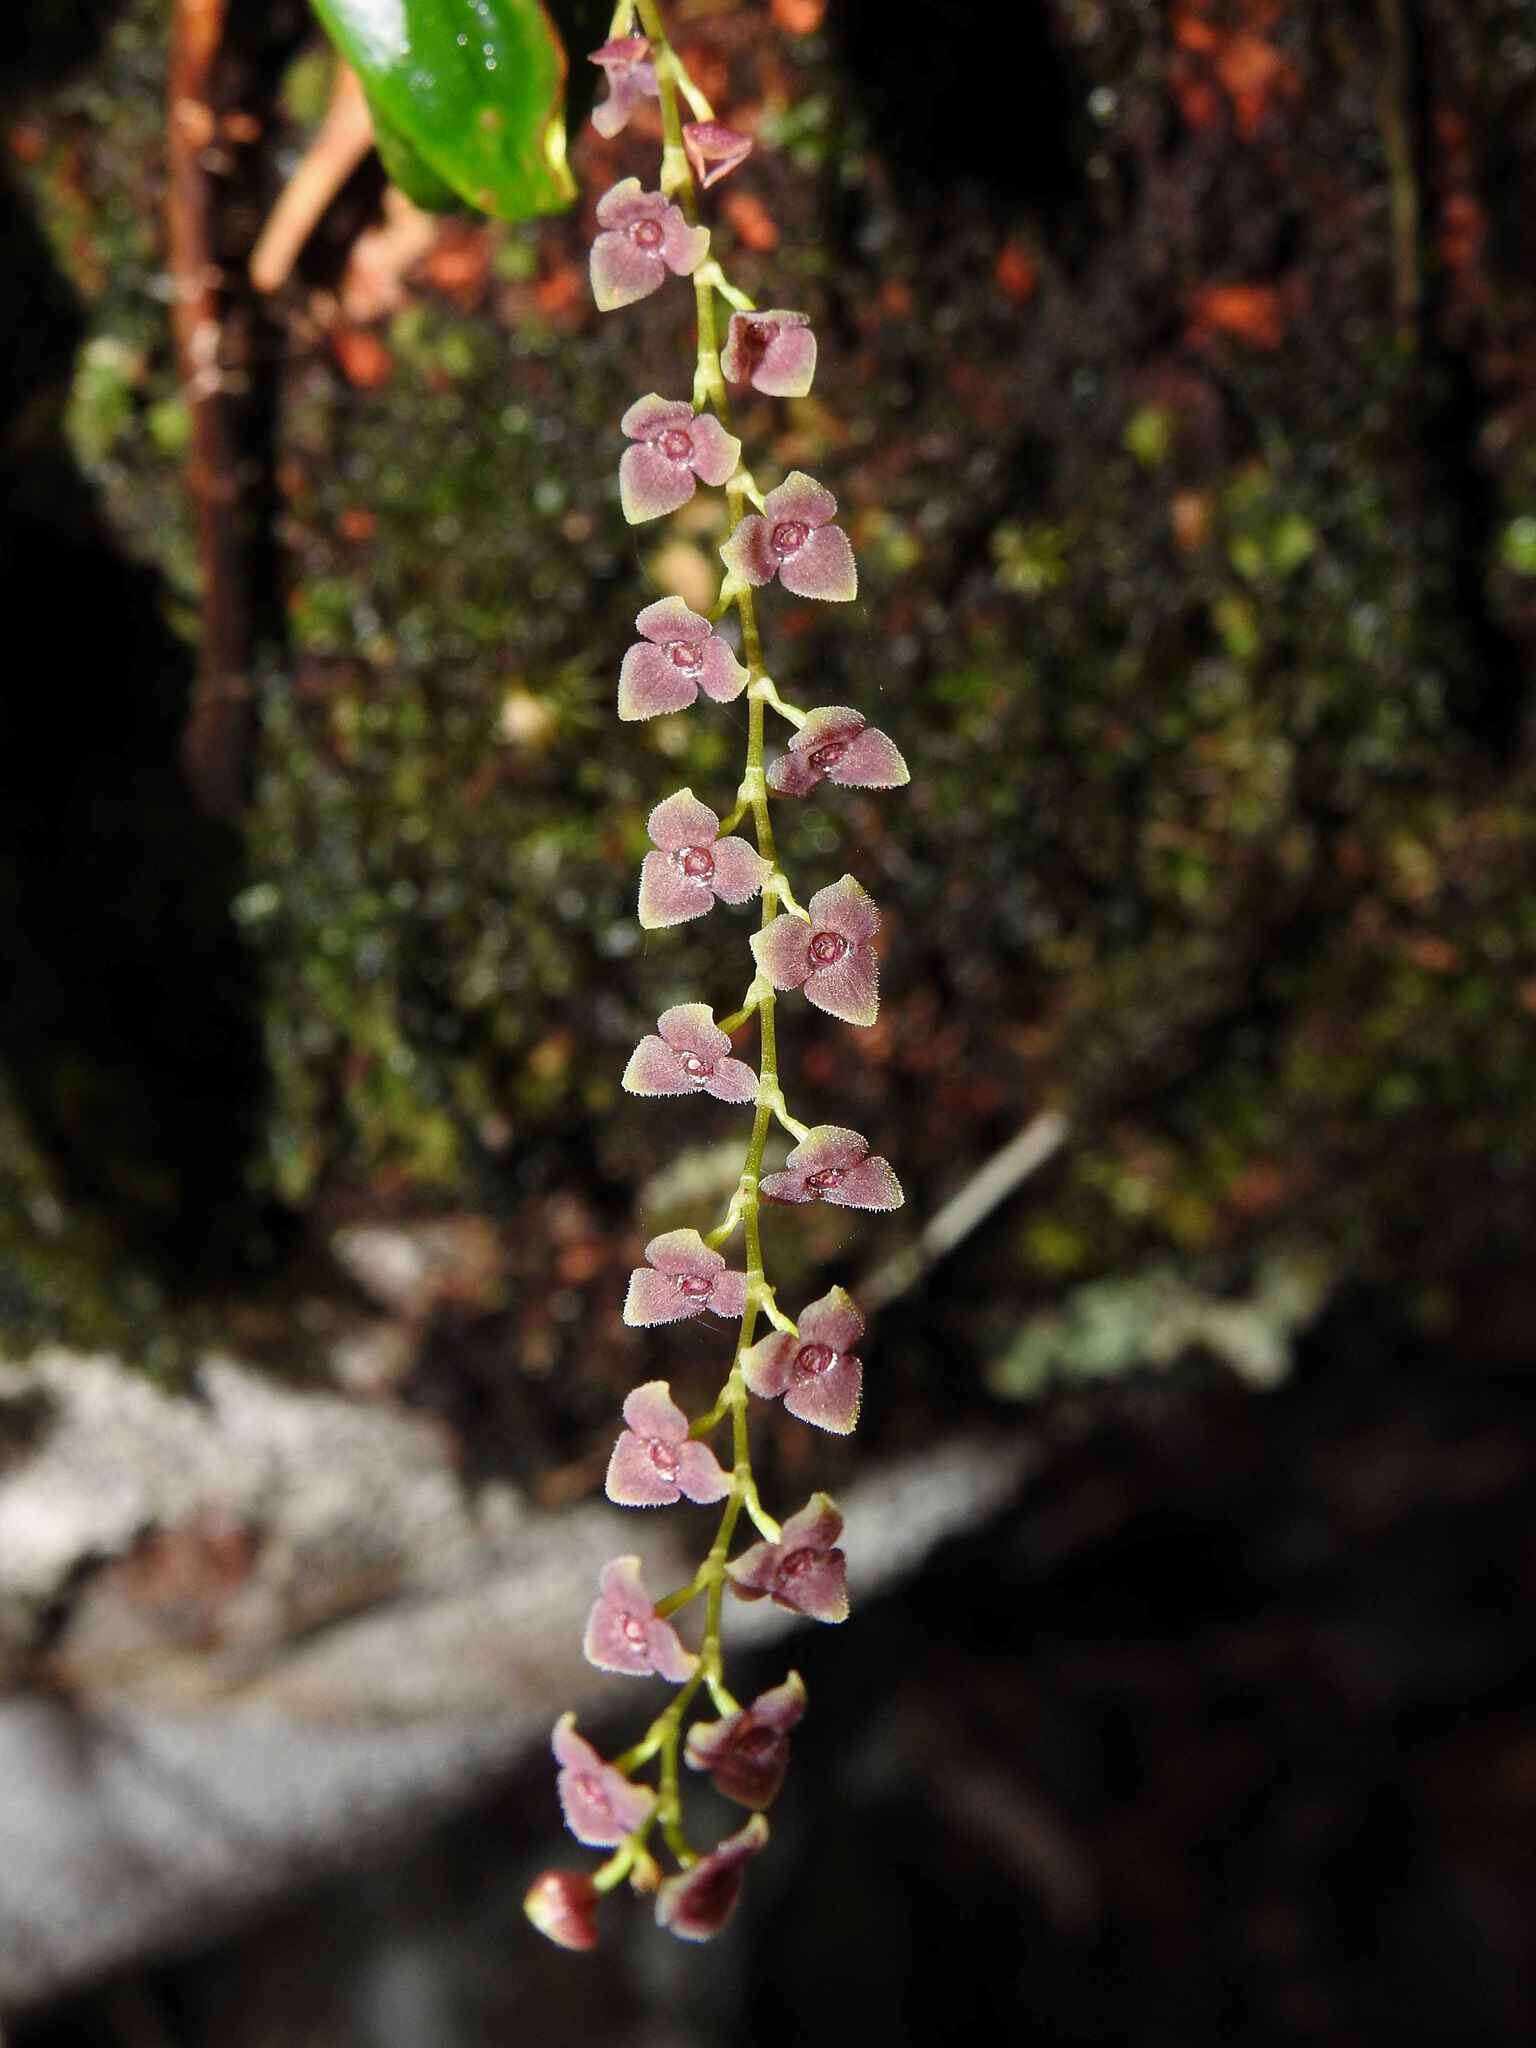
(364, 359)
(754, 225)
(799, 17)
(1251, 313)
(1235, 67)
(1017, 271)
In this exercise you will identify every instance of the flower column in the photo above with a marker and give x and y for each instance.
(661, 1457)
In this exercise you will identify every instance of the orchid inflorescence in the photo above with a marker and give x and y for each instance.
(825, 949)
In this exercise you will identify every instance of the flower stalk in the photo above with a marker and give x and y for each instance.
(823, 949)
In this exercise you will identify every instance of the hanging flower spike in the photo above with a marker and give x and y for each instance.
(654, 1463)
(643, 237)
(747, 1753)
(692, 866)
(792, 538)
(835, 1165)
(689, 1057)
(836, 745)
(804, 1570)
(682, 1278)
(698, 1904)
(626, 63)
(714, 150)
(677, 448)
(832, 958)
(680, 655)
(625, 1634)
(774, 352)
(816, 1372)
(563, 1905)
(600, 1805)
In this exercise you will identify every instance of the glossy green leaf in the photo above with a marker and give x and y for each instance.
(467, 96)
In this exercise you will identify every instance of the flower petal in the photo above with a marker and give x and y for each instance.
(834, 1319)
(871, 761)
(765, 1367)
(740, 871)
(633, 1479)
(850, 989)
(681, 820)
(651, 1412)
(847, 908)
(621, 273)
(669, 619)
(728, 1296)
(782, 949)
(748, 553)
(732, 1081)
(655, 1069)
(697, 1904)
(652, 1300)
(626, 201)
(652, 415)
(691, 1027)
(870, 1185)
(722, 675)
(823, 568)
(600, 1804)
(700, 1476)
(651, 485)
(829, 1399)
(800, 497)
(667, 896)
(649, 684)
(683, 248)
(714, 150)
(684, 1252)
(791, 775)
(715, 452)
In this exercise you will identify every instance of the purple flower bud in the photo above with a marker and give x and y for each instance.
(655, 1463)
(835, 745)
(835, 1165)
(816, 1372)
(747, 1753)
(699, 1902)
(683, 1278)
(626, 62)
(676, 447)
(714, 150)
(792, 539)
(643, 237)
(692, 866)
(680, 655)
(624, 1633)
(600, 1805)
(563, 1905)
(804, 1570)
(689, 1057)
(831, 958)
(773, 352)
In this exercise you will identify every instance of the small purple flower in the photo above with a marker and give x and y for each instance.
(835, 745)
(624, 1633)
(643, 237)
(816, 1372)
(835, 1165)
(747, 1753)
(563, 1905)
(680, 655)
(683, 1278)
(792, 539)
(600, 1805)
(692, 866)
(714, 150)
(699, 1902)
(654, 1463)
(831, 958)
(773, 352)
(676, 447)
(689, 1057)
(626, 63)
(804, 1570)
